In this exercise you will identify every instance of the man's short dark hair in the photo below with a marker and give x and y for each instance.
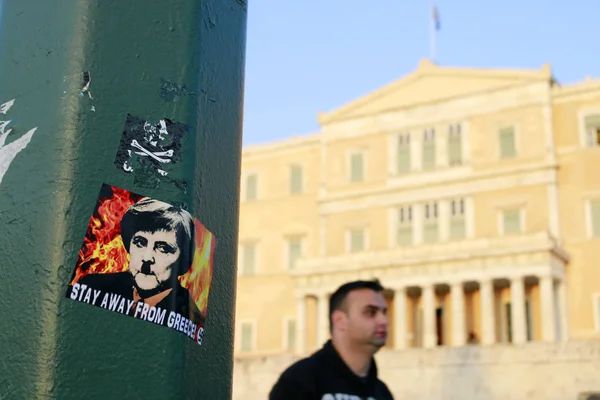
(149, 215)
(337, 301)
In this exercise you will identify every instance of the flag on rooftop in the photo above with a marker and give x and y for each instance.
(436, 17)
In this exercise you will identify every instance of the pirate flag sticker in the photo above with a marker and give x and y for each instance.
(149, 150)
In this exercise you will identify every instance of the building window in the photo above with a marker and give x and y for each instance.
(251, 187)
(429, 149)
(357, 167)
(507, 142)
(247, 337)
(296, 178)
(592, 130)
(290, 343)
(405, 227)
(357, 240)
(430, 229)
(403, 154)
(294, 251)
(454, 144)
(457, 219)
(594, 218)
(511, 221)
(248, 259)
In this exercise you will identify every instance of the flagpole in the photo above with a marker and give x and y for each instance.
(432, 33)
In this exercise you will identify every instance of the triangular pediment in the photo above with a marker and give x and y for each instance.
(430, 84)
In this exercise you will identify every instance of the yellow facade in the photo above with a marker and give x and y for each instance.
(464, 191)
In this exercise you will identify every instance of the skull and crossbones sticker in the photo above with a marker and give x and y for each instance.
(150, 148)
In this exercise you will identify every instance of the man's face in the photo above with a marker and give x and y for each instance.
(366, 321)
(152, 256)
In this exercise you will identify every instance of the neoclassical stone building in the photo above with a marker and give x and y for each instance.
(473, 195)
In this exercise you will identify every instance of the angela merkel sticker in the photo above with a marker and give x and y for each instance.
(146, 259)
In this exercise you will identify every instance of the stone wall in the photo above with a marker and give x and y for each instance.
(534, 371)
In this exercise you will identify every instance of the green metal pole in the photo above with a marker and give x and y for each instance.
(71, 71)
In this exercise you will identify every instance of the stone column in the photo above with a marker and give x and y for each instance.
(458, 314)
(548, 307)
(322, 319)
(429, 334)
(561, 289)
(301, 325)
(486, 291)
(400, 318)
(517, 295)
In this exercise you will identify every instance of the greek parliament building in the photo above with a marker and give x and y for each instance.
(473, 195)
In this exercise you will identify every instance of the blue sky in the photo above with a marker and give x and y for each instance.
(316, 55)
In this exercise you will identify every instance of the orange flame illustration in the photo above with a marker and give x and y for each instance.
(103, 251)
(198, 278)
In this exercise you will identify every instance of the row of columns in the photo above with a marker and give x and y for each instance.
(553, 310)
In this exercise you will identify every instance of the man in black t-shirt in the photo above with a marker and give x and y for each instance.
(344, 367)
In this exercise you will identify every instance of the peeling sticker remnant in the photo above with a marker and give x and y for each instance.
(171, 92)
(9, 152)
(150, 149)
(146, 259)
(87, 81)
(6, 106)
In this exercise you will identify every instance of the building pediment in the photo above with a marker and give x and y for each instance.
(430, 84)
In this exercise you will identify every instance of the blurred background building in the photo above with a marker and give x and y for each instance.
(472, 194)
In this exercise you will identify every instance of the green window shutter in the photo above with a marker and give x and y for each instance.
(296, 179)
(251, 187)
(455, 150)
(428, 155)
(249, 259)
(405, 235)
(357, 241)
(507, 143)
(592, 121)
(294, 252)
(404, 160)
(356, 167)
(291, 335)
(512, 221)
(595, 215)
(246, 339)
(457, 228)
(592, 130)
(430, 232)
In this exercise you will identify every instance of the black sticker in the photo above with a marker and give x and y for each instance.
(150, 150)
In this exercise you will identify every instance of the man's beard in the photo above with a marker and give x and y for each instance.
(378, 342)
